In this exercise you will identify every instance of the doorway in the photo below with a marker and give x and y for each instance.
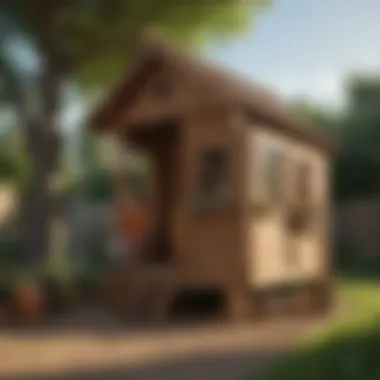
(159, 143)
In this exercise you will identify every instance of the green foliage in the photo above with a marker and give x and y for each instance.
(61, 276)
(347, 357)
(12, 252)
(138, 182)
(97, 37)
(7, 167)
(98, 186)
(355, 131)
(363, 267)
(5, 292)
(186, 21)
(13, 166)
(323, 119)
(15, 261)
(89, 280)
(358, 164)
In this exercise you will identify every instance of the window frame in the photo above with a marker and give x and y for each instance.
(272, 173)
(217, 195)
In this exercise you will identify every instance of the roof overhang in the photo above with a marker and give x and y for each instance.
(107, 114)
(298, 129)
(108, 111)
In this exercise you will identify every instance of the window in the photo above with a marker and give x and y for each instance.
(301, 216)
(292, 253)
(272, 176)
(213, 175)
(303, 182)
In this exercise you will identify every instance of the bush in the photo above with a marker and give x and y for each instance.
(68, 278)
(5, 293)
(99, 186)
(345, 346)
(56, 293)
(61, 278)
(89, 275)
(364, 267)
(12, 252)
(8, 167)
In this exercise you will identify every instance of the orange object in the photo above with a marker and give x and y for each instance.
(131, 221)
(29, 302)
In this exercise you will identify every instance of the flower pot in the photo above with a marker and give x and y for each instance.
(29, 302)
(55, 296)
(5, 315)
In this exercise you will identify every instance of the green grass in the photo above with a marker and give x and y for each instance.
(346, 347)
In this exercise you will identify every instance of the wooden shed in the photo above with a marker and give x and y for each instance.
(242, 198)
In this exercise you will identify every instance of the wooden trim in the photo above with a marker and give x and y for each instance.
(261, 208)
(129, 130)
(245, 217)
(285, 286)
(326, 244)
(291, 127)
(251, 194)
(314, 294)
(274, 117)
(227, 206)
(110, 108)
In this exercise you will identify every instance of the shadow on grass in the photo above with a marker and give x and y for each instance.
(346, 348)
(344, 357)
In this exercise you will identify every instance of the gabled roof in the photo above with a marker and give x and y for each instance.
(255, 99)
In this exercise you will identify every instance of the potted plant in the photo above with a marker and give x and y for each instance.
(29, 300)
(5, 303)
(58, 281)
(60, 294)
(54, 294)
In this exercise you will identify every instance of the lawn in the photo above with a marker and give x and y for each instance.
(346, 347)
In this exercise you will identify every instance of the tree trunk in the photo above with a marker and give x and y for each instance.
(43, 141)
(41, 196)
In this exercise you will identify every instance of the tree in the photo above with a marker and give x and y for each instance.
(87, 42)
(356, 131)
(13, 165)
(323, 119)
(358, 164)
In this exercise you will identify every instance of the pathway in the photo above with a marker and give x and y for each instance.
(95, 346)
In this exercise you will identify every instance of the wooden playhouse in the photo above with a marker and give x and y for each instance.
(242, 198)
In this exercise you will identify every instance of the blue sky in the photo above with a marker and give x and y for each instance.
(307, 47)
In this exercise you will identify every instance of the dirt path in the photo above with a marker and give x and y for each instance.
(101, 348)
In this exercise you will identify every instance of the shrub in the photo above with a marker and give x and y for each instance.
(12, 251)
(5, 293)
(99, 186)
(353, 355)
(367, 266)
